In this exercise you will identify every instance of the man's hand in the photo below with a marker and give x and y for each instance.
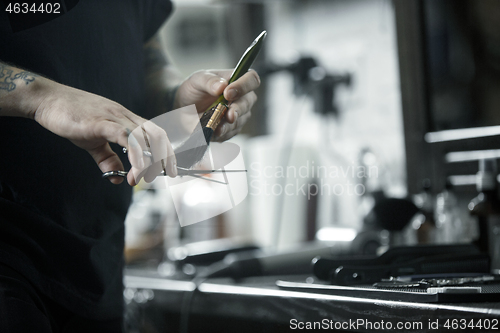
(204, 87)
(91, 122)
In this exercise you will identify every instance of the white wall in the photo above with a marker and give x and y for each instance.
(344, 36)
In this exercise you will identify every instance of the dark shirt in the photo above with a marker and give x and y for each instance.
(61, 224)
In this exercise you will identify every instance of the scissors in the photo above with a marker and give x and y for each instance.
(180, 172)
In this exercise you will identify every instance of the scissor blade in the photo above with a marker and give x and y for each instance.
(208, 179)
(202, 172)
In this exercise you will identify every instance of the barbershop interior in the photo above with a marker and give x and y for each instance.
(363, 189)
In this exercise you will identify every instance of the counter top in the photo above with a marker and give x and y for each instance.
(259, 305)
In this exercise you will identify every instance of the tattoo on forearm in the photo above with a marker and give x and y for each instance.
(7, 79)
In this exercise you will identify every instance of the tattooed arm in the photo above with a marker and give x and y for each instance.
(88, 120)
(14, 84)
(201, 88)
(8, 76)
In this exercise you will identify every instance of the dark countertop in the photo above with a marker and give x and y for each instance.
(258, 305)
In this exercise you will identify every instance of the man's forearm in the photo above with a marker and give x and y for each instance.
(18, 91)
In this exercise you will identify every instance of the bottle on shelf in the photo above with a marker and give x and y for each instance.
(449, 225)
(424, 224)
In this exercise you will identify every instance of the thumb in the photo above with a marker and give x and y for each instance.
(107, 160)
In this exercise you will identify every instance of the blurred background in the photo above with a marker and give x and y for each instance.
(377, 126)
(371, 119)
(347, 49)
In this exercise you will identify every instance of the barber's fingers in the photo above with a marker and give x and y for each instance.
(101, 152)
(240, 107)
(238, 114)
(107, 160)
(154, 171)
(209, 82)
(160, 148)
(227, 131)
(244, 85)
(135, 151)
(150, 173)
(110, 131)
(151, 153)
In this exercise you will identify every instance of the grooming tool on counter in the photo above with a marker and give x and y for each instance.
(208, 252)
(488, 291)
(352, 275)
(211, 118)
(435, 280)
(257, 263)
(399, 261)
